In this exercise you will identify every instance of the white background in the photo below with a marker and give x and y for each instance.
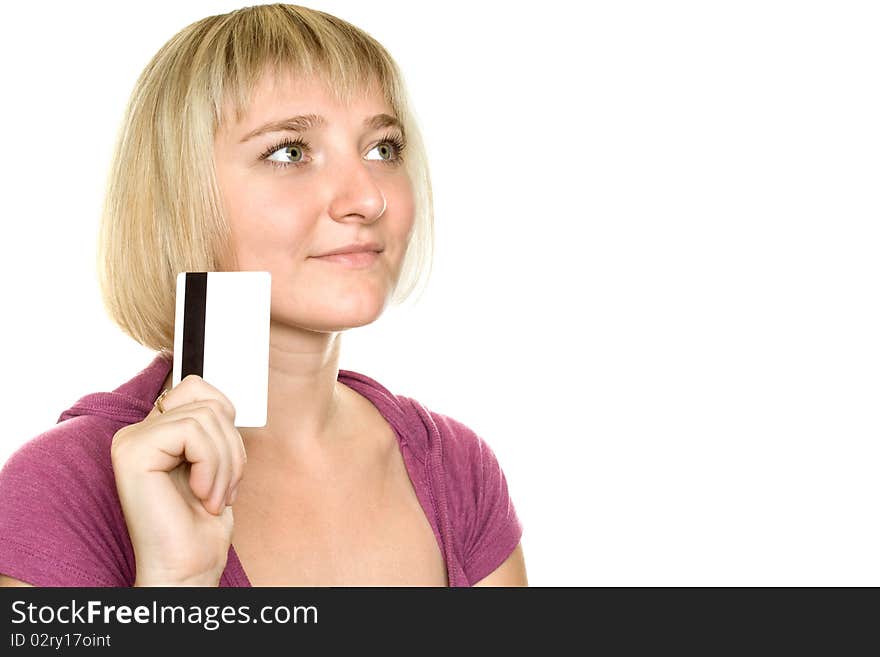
(656, 286)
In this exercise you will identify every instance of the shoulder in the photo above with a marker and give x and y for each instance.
(465, 459)
(471, 467)
(472, 474)
(67, 467)
(481, 510)
(60, 513)
(75, 448)
(465, 453)
(464, 475)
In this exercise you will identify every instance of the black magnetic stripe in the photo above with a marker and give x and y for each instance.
(193, 359)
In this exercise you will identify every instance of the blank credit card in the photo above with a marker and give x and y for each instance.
(221, 333)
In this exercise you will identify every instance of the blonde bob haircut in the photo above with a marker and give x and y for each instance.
(163, 211)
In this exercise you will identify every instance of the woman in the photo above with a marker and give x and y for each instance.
(265, 139)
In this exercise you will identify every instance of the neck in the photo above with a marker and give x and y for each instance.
(306, 404)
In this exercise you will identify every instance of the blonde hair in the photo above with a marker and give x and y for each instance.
(163, 212)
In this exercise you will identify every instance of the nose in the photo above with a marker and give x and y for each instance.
(358, 197)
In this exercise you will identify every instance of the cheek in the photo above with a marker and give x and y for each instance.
(402, 219)
(269, 223)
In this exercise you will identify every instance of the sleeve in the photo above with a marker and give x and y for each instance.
(57, 522)
(479, 501)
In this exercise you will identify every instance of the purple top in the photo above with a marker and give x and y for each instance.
(61, 522)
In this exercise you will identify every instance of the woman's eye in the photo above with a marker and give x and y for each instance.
(391, 149)
(386, 149)
(295, 153)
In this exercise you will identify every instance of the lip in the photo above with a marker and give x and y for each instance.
(354, 248)
(354, 260)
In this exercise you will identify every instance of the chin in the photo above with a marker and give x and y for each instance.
(338, 321)
(340, 310)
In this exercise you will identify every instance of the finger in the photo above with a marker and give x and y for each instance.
(210, 415)
(176, 439)
(238, 460)
(220, 490)
(237, 452)
(204, 471)
(194, 388)
(155, 412)
(237, 456)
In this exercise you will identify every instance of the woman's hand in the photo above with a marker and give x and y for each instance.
(176, 474)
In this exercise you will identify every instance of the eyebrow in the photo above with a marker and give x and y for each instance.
(306, 122)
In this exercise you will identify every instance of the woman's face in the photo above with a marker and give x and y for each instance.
(290, 202)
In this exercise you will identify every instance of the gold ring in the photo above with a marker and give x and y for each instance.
(158, 402)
